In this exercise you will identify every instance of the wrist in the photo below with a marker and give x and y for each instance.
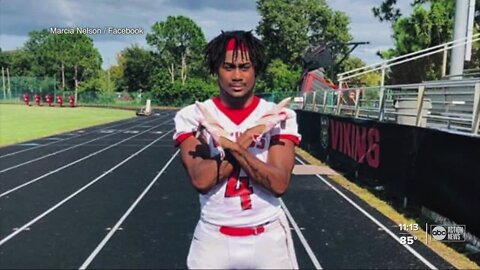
(229, 157)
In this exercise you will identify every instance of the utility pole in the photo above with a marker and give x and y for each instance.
(76, 83)
(3, 83)
(8, 84)
(459, 34)
(471, 15)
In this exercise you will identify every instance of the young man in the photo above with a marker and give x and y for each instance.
(243, 169)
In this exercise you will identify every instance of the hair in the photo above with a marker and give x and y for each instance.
(216, 49)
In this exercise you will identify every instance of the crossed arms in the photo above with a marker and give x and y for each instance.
(205, 172)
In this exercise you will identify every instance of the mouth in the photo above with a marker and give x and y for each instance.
(237, 87)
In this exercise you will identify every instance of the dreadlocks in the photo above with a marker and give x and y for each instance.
(216, 49)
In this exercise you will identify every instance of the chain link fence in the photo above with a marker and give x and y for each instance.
(15, 88)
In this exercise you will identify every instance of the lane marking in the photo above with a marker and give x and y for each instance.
(76, 161)
(63, 150)
(107, 131)
(80, 131)
(29, 144)
(33, 221)
(305, 244)
(100, 246)
(394, 236)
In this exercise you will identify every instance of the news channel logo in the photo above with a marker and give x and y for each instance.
(454, 233)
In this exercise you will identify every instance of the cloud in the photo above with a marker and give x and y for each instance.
(19, 17)
(222, 5)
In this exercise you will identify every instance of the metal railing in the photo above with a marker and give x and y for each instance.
(383, 66)
(452, 105)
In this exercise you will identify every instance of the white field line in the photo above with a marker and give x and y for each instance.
(33, 221)
(410, 249)
(305, 244)
(125, 215)
(62, 140)
(66, 149)
(77, 161)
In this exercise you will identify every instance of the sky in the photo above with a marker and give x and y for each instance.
(19, 17)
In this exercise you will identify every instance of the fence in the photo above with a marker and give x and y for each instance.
(13, 88)
(383, 66)
(452, 105)
(16, 87)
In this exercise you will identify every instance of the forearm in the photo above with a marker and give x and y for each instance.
(208, 172)
(270, 177)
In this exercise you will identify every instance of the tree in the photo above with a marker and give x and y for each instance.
(427, 26)
(138, 67)
(387, 11)
(368, 79)
(19, 62)
(116, 72)
(279, 77)
(71, 55)
(178, 41)
(308, 22)
(102, 83)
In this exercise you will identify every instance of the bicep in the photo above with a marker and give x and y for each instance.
(192, 151)
(281, 154)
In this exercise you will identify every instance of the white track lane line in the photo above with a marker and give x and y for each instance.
(77, 161)
(305, 244)
(100, 246)
(62, 140)
(31, 222)
(68, 148)
(410, 249)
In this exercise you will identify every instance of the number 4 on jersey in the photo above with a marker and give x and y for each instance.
(239, 186)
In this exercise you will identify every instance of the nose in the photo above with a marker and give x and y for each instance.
(236, 75)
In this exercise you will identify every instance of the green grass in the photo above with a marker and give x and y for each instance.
(19, 123)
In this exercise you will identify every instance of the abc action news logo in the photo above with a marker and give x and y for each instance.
(448, 233)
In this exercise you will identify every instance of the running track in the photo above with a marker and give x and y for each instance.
(116, 196)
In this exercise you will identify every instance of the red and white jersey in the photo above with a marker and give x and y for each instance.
(238, 201)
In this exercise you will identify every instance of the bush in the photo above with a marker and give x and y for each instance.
(178, 94)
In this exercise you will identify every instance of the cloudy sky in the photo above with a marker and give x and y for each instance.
(18, 17)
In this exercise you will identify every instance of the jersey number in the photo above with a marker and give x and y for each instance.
(239, 186)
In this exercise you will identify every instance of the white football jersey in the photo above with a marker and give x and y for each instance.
(238, 201)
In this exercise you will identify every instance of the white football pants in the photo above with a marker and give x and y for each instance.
(272, 249)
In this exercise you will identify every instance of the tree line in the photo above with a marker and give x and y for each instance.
(172, 70)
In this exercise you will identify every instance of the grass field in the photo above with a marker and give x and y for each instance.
(19, 123)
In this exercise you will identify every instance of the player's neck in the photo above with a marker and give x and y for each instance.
(234, 102)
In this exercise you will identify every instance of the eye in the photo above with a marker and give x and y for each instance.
(245, 67)
(228, 67)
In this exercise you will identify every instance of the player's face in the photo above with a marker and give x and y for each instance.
(236, 77)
